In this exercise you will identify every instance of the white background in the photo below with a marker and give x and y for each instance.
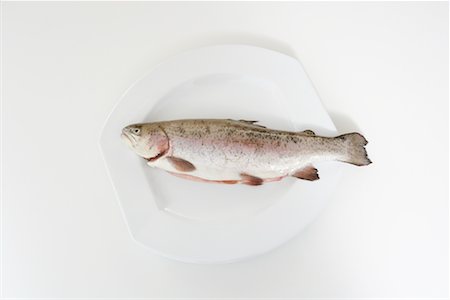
(380, 68)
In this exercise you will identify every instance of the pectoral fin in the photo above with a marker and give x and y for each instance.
(308, 173)
(180, 164)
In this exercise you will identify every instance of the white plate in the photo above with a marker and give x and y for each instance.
(213, 223)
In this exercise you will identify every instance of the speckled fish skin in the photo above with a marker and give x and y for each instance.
(238, 151)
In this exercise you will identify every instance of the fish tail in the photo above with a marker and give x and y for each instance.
(355, 153)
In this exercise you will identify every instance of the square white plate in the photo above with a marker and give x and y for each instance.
(214, 223)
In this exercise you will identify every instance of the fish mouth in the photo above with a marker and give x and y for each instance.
(128, 139)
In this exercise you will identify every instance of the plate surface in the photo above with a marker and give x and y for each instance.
(213, 223)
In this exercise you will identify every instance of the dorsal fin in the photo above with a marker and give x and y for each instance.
(251, 123)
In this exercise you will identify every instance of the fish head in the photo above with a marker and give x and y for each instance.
(146, 140)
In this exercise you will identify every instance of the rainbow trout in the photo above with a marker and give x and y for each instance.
(238, 151)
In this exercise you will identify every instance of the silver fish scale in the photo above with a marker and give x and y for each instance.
(241, 146)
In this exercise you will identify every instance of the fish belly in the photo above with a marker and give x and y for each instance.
(222, 170)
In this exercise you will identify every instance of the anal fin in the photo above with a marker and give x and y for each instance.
(308, 173)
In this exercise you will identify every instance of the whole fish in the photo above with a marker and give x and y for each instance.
(238, 151)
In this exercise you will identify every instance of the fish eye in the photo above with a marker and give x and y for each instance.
(136, 130)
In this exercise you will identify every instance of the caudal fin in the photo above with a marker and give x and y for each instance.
(355, 153)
